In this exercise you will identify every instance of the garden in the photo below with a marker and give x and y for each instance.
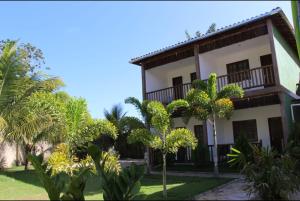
(85, 152)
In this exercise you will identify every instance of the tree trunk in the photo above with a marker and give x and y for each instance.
(164, 176)
(27, 151)
(17, 155)
(215, 152)
(147, 159)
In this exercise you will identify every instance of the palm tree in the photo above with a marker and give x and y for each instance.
(124, 125)
(206, 103)
(141, 107)
(163, 137)
(20, 120)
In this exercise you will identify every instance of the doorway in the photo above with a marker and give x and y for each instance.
(177, 84)
(276, 133)
(268, 75)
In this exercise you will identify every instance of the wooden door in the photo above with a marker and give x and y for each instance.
(268, 76)
(177, 84)
(276, 133)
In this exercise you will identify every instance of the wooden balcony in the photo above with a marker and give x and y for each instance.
(255, 78)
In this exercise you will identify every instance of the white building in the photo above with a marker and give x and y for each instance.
(259, 54)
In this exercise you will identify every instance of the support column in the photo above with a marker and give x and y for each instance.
(143, 82)
(284, 117)
(273, 52)
(197, 66)
(197, 62)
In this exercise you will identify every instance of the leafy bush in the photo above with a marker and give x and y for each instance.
(270, 175)
(60, 186)
(123, 185)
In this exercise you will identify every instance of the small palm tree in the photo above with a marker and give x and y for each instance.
(162, 136)
(141, 107)
(206, 103)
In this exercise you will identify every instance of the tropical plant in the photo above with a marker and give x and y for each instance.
(271, 176)
(116, 185)
(162, 136)
(60, 186)
(141, 107)
(33, 120)
(124, 125)
(211, 29)
(206, 103)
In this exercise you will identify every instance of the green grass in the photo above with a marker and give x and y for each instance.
(18, 184)
(193, 168)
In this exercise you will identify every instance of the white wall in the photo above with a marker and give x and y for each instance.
(216, 60)
(213, 61)
(161, 77)
(224, 127)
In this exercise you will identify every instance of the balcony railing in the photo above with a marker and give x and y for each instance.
(260, 77)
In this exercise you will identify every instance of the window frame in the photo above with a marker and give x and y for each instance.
(235, 74)
(238, 125)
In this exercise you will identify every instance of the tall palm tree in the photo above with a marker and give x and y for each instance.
(141, 107)
(20, 120)
(206, 103)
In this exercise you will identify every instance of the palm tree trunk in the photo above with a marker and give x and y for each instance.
(164, 176)
(27, 151)
(17, 155)
(147, 159)
(215, 151)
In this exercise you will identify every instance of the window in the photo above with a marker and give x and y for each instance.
(198, 130)
(238, 71)
(247, 128)
(193, 76)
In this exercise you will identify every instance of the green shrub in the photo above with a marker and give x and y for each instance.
(60, 186)
(268, 174)
(123, 185)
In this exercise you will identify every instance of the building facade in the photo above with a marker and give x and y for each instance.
(258, 54)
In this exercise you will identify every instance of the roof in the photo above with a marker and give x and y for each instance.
(206, 36)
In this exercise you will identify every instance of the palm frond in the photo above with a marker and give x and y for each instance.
(231, 91)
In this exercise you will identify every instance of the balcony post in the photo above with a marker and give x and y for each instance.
(143, 82)
(197, 62)
(197, 66)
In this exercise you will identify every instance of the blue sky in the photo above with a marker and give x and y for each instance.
(89, 44)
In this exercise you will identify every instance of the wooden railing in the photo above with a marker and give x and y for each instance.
(224, 149)
(253, 78)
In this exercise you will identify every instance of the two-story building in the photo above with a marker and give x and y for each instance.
(259, 54)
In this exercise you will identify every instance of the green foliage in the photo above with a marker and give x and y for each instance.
(180, 137)
(163, 137)
(60, 186)
(176, 104)
(124, 185)
(270, 175)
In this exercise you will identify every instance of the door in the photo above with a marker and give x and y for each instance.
(177, 84)
(268, 75)
(276, 133)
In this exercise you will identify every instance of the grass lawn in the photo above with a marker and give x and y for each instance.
(18, 184)
(193, 168)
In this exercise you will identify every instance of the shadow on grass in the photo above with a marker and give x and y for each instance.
(178, 187)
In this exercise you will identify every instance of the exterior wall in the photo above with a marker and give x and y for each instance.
(210, 62)
(224, 127)
(287, 61)
(215, 61)
(8, 152)
(161, 77)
